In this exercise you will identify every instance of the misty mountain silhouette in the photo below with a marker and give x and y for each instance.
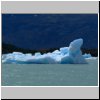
(8, 48)
(37, 31)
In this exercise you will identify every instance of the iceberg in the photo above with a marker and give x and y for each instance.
(65, 55)
(87, 55)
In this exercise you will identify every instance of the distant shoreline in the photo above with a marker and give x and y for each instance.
(8, 48)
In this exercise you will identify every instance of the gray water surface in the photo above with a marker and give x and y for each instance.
(50, 74)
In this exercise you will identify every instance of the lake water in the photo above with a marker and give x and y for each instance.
(50, 74)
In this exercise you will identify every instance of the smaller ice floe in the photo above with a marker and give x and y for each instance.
(87, 55)
(65, 55)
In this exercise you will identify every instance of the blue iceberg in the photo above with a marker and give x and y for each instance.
(65, 55)
(87, 55)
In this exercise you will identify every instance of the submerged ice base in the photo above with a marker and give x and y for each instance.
(66, 55)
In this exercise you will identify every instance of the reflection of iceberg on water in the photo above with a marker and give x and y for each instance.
(66, 55)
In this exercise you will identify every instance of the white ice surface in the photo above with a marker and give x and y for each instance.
(65, 55)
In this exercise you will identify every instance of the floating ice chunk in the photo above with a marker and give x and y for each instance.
(87, 55)
(66, 55)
